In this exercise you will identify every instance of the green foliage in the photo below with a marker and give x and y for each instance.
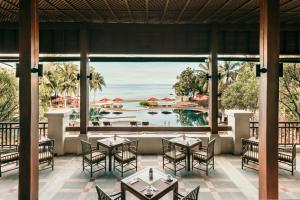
(290, 92)
(191, 117)
(8, 96)
(187, 83)
(97, 82)
(148, 103)
(243, 92)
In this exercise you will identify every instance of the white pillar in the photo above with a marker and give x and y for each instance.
(57, 122)
(239, 121)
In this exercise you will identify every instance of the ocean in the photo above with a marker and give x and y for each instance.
(135, 91)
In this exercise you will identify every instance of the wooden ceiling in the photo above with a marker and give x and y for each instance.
(152, 11)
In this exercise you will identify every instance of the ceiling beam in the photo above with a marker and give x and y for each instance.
(247, 14)
(93, 10)
(58, 10)
(235, 10)
(75, 10)
(165, 10)
(129, 11)
(111, 11)
(200, 10)
(11, 4)
(182, 10)
(147, 10)
(217, 11)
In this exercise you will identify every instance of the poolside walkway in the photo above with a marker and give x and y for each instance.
(227, 181)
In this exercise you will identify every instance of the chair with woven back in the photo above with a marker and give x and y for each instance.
(126, 155)
(204, 157)
(103, 196)
(173, 154)
(92, 157)
(193, 195)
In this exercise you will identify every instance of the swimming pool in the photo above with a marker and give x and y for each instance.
(156, 117)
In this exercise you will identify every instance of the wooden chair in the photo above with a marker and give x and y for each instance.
(9, 155)
(126, 155)
(174, 155)
(92, 157)
(249, 153)
(193, 195)
(106, 123)
(205, 157)
(145, 123)
(103, 196)
(46, 154)
(287, 156)
(133, 123)
(95, 123)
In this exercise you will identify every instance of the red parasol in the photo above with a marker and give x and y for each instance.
(59, 100)
(152, 99)
(167, 99)
(117, 100)
(104, 99)
(201, 98)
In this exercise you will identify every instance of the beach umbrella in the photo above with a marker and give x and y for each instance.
(59, 100)
(201, 98)
(152, 99)
(167, 99)
(104, 99)
(118, 99)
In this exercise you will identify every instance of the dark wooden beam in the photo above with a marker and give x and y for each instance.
(236, 10)
(182, 10)
(129, 11)
(147, 10)
(217, 10)
(87, 2)
(75, 10)
(200, 10)
(109, 8)
(29, 100)
(165, 11)
(268, 99)
(84, 87)
(213, 81)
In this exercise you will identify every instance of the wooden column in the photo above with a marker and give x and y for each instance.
(213, 81)
(28, 101)
(268, 99)
(84, 87)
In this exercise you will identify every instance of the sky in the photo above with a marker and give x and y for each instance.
(141, 72)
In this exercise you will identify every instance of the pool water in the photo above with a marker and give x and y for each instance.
(156, 117)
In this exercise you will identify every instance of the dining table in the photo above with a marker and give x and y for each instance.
(110, 144)
(189, 143)
(139, 183)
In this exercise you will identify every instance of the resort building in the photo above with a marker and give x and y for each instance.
(116, 148)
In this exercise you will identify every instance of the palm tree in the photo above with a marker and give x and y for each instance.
(67, 79)
(228, 74)
(96, 83)
(203, 83)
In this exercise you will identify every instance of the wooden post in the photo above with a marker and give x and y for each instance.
(28, 101)
(84, 87)
(268, 99)
(213, 81)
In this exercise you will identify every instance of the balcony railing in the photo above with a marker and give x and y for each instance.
(9, 132)
(288, 132)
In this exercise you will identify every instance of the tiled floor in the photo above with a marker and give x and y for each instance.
(227, 181)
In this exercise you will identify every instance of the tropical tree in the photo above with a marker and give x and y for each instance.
(243, 92)
(97, 83)
(67, 79)
(228, 73)
(290, 92)
(187, 83)
(8, 95)
(201, 78)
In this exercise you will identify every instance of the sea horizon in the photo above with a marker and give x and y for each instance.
(135, 91)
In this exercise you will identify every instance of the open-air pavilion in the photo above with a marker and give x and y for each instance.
(267, 31)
